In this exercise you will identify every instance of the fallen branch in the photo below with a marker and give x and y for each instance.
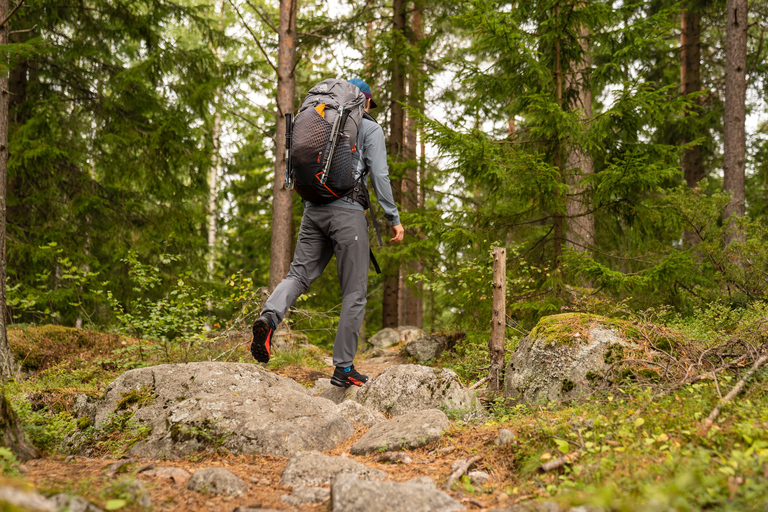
(479, 383)
(735, 391)
(559, 462)
(461, 469)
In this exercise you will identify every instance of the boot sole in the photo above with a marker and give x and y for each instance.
(346, 382)
(261, 335)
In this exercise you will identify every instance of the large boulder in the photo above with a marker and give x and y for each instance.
(349, 494)
(359, 414)
(408, 431)
(426, 348)
(405, 388)
(566, 356)
(16, 497)
(384, 338)
(242, 407)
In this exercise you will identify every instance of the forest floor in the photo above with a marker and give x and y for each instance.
(631, 449)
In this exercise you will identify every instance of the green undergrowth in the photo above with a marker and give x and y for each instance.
(639, 451)
(468, 356)
(300, 355)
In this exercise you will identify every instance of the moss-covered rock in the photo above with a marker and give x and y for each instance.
(569, 355)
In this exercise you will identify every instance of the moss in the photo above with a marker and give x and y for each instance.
(567, 386)
(139, 397)
(83, 423)
(613, 354)
(593, 378)
(568, 328)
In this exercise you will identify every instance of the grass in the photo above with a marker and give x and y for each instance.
(639, 454)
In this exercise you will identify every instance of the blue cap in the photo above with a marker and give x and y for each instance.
(360, 84)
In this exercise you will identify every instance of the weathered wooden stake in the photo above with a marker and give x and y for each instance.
(498, 319)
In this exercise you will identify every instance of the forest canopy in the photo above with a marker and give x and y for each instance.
(597, 141)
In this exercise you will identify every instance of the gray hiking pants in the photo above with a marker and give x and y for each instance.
(326, 231)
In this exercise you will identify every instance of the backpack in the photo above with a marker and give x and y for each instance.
(322, 142)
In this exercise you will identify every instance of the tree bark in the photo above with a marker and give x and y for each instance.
(558, 216)
(390, 303)
(581, 222)
(412, 303)
(215, 170)
(690, 82)
(282, 201)
(734, 136)
(498, 319)
(6, 358)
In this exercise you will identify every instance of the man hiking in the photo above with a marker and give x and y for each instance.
(336, 228)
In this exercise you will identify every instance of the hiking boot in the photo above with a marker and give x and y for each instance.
(262, 339)
(345, 377)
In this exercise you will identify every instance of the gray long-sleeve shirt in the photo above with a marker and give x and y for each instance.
(373, 156)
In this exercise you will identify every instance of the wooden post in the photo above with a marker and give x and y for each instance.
(498, 319)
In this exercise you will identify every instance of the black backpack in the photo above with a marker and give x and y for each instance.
(321, 142)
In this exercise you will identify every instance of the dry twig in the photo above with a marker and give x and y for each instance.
(559, 462)
(735, 391)
(462, 468)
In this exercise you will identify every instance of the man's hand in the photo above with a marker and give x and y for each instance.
(398, 233)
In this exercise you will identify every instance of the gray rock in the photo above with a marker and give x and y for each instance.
(505, 438)
(383, 353)
(545, 506)
(359, 414)
(478, 477)
(350, 494)
(24, 499)
(426, 348)
(403, 432)
(422, 480)
(306, 495)
(409, 333)
(242, 407)
(84, 407)
(251, 509)
(384, 338)
(216, 481)
(405, 388)
(71, 503)
(564, 357)
(315, 468)
(336, 394)
(178, 475)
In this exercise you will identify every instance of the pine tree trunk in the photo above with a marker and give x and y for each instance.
(12, 434)
(390, 303)
(558, 216)
(690, 82)
(581, 222)
(215, 170)
(734, 136)
(412, 303)
(6, 358)
(282, 201)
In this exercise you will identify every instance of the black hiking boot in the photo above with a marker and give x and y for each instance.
(345, 377)
(262, 339)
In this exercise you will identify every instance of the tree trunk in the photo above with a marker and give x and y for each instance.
(734, 136)
(412, 303)
(690, 82)
(581, 222)
(282, 201)
(558, 216)
(498, 319)
(215, 160)
(6, 358)
(390, 306)
(11, 430)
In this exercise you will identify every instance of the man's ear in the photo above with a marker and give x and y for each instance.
(368, 104)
